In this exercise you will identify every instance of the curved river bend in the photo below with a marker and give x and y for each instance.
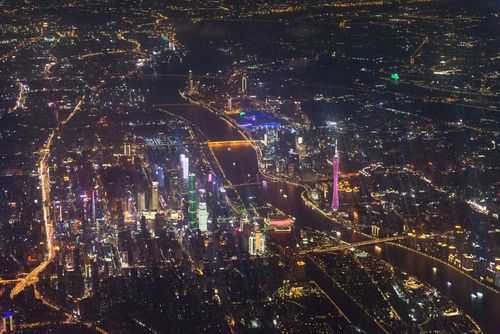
(240, 166)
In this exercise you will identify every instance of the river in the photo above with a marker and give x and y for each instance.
(240, 166)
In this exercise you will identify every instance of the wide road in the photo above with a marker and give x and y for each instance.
(43, 171)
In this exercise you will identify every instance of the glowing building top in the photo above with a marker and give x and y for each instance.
(335, 184)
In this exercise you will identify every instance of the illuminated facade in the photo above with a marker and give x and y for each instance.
(141, 202)
(202, 212)
(244, 84)
(185, 166)
(497, 272)
(191, 84)
(301, 147)
(155, 196)
(335, 184)
(260, 242)
(252, 245)
(192, 200)
(256, 243)
(203, 217)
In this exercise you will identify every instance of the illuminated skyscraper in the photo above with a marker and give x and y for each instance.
(252, 244)
(191, 85)
(244, 84)
(141, 203)
(185, 166)
(203, 217)
(256, 243)
(192, 201)
(171, 41)
(93, 209)
(335, 184)
(301, 147)
(260, 242)
(497, 272)
(155, 196)
(182, 156)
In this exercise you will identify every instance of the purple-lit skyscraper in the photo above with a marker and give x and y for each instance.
(335, 185)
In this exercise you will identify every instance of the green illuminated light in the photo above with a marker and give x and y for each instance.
(395, 76)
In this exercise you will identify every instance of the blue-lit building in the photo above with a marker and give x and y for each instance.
(159, 176)
(256, 119)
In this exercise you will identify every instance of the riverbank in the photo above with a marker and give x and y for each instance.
(326, 215)
(482, 311)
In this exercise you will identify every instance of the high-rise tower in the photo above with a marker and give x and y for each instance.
(244, 84)
(192, 200)
(335, 184)
(191, 84)
(141, 202)
(202, 217)
(185, 166)
(155, 196)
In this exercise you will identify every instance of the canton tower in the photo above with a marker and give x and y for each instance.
(335, 185)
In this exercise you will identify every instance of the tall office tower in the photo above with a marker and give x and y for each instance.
(203, 217)
(211, 184)
(244, 84)
(301, 147)
(124, 259)
(60, 212)
(335, 184)
(93, 209)
(87, 276)
(229, 104)
(260, 242)
(185, 166)
(141, 203)
(252, 247)
(171, 43)
(155, 196)
(182, 156)
(191, 82)
(192, 202)
(497, 272)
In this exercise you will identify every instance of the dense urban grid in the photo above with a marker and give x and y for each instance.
(242, 166)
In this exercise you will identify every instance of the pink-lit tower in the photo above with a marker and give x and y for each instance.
(335, 185)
